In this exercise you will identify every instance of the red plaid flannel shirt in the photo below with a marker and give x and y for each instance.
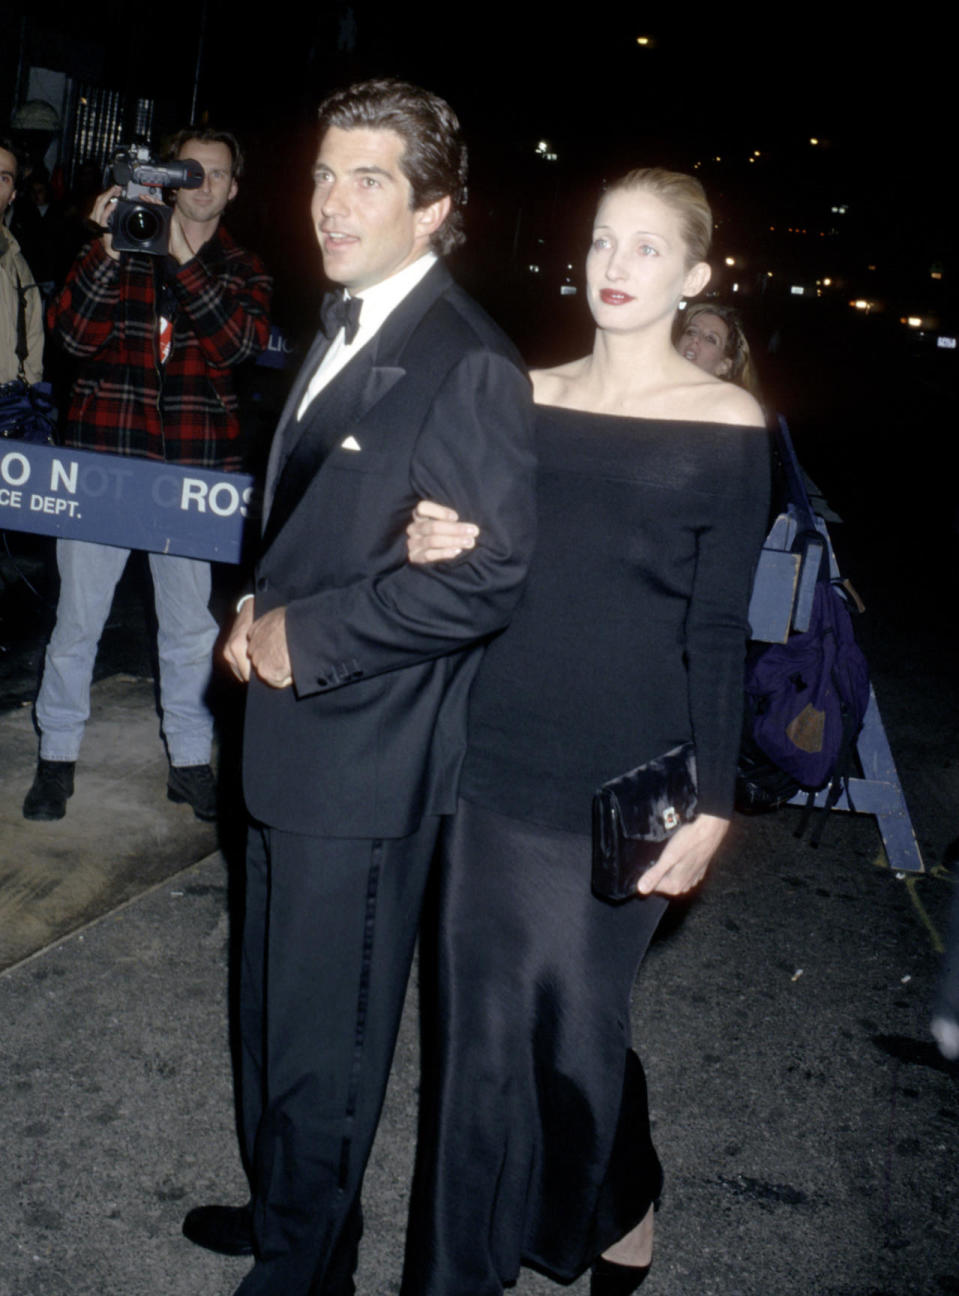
(123, 401)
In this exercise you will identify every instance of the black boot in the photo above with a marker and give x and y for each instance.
(195, 786)
(52, 786)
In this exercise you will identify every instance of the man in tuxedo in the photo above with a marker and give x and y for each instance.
(359, 665)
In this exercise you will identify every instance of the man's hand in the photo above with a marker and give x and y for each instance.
(267, 649)
(684, 860)
(100, 214)
(237, 651)
(180, 248)
(437, 533)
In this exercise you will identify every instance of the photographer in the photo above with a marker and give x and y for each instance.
(156, 337)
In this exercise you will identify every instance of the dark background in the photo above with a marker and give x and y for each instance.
(871, 401)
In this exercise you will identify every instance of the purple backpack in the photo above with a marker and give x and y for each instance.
(806, 698)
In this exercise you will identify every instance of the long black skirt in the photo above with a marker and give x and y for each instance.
(534, 1143)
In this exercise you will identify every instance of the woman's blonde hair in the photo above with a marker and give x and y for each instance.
(687, 198)
(736, 351)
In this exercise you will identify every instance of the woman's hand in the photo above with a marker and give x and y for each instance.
(436, 533)
(683, 862)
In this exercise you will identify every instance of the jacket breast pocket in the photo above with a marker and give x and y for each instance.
(347, 457)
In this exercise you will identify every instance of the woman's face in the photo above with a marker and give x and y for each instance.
(636, 270)
(704, 341)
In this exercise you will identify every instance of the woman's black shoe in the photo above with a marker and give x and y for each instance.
(609, 1279)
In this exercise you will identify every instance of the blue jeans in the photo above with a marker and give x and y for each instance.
(185, 638)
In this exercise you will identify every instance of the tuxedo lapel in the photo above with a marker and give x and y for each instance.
(339, 408)
(286, 429)
(299, 451)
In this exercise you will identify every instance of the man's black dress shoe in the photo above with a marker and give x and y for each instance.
(228, 1230)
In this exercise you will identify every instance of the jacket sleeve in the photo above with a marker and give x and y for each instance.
(474, 453)
(229, 310)
(34, 362)
(84, 314)
(33, 365)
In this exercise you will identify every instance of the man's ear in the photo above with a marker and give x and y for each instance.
(697, 279)
(431, 217)
(234, 188)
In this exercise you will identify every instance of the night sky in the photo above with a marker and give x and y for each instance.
(878, 97)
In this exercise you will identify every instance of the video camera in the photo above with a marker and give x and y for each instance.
(139, 226)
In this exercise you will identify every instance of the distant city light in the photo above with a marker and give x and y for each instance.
(730, 261)
(827, 283)
(914, 321)
(735, 287)
(935, 274)
(840, 209)
(860, 304)
(647, 42)
(814, 141)
(756, 153)
(534, 269)
(947, 343)
(545, 151)
(797, 290)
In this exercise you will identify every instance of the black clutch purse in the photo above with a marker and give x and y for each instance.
(634, 814)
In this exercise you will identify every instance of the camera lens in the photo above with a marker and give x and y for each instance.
(142, 224)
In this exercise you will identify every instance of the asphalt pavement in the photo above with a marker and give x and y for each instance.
(809, 1128)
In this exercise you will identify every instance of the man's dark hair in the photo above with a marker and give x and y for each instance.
(6, 143)
(434, 157)
(207, 135)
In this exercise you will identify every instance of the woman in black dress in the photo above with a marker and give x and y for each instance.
(629, 640)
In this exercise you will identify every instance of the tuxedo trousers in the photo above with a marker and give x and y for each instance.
(329, 931)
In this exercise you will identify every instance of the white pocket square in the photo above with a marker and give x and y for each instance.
(350, 443)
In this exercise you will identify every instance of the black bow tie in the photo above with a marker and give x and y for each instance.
(339, 312)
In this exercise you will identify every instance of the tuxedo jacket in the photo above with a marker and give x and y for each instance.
(372, 733)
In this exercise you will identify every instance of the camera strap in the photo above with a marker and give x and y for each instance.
(167, 306)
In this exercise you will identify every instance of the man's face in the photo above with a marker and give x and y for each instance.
(8, 179)
(209, 201)
(362, 208)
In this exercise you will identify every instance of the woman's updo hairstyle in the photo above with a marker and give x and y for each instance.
(687, 198)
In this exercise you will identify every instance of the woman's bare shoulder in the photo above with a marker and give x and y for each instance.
(716, 401)
(735, 405)
(553, 386)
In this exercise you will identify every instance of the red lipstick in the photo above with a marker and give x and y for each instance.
(612, 297)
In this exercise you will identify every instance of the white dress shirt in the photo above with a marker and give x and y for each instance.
(378, 303)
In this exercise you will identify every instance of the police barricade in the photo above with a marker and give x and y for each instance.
(124, 501)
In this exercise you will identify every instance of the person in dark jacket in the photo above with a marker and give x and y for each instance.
(359, 666)
(157, 340)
